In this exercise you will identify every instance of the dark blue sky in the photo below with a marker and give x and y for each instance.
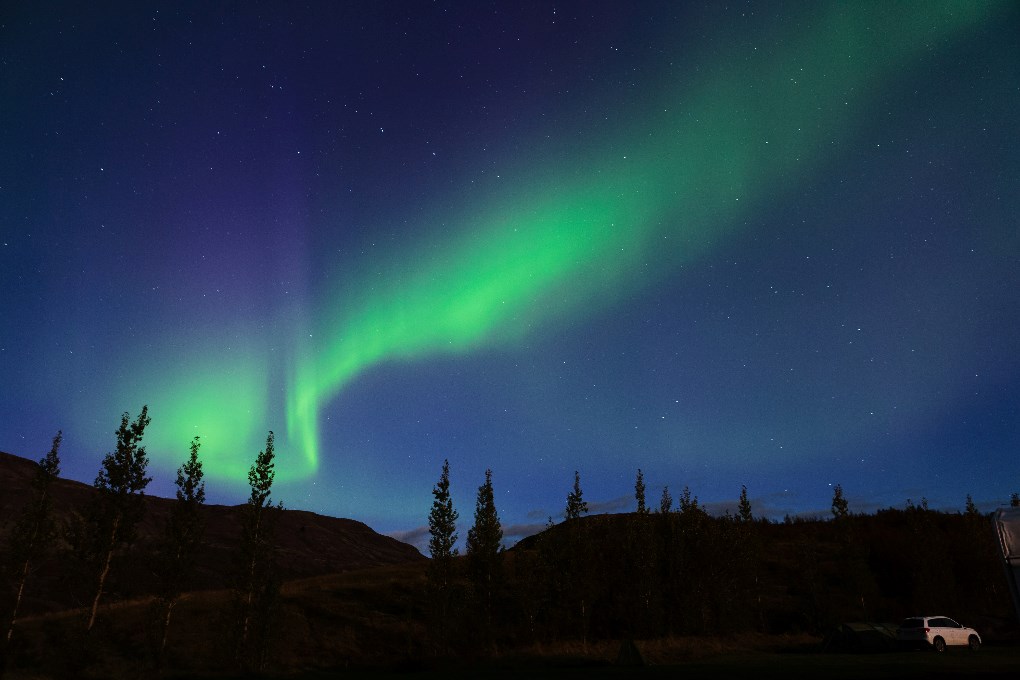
(727, 244)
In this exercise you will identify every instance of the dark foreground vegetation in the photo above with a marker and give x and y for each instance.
(380, 620)
(194, 591)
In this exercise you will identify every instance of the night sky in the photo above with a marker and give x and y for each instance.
(772, 244)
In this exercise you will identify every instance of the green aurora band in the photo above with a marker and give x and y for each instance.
(672, 184)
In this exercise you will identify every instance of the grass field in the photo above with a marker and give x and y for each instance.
(754, 656)
(990, 662)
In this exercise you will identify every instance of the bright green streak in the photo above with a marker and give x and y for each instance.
(486, 289)
(653, 196)
(572, 236)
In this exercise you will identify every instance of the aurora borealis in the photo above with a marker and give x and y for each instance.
(729, 245)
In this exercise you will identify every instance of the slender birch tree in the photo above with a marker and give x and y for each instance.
(665, 501)
(639, 493)
(118, 504)
(744, 506)
(34, 531)
(257, 586)
(182, 537)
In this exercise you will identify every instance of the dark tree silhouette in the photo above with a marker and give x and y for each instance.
(34, 531)
(688, 503)
(840, 507)
(576, 506)
(638, 590)
(443, 524)
(118, 506)
(484, 549)
(183, 534)
(666, 501)
(744, 506)
(747, 555)
(578, 581)
(854, 568)
(442, 539)
(1014, 500)
(257, 586)
(981, 572)
(693, 540)
(639, 493)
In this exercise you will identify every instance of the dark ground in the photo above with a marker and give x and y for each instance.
(991, 662)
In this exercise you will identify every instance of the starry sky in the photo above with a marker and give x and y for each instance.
(728, 243)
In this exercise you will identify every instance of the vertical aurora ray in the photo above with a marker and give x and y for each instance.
(486, 290)
(653, 195)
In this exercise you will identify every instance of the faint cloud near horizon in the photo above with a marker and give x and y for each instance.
(419, 536)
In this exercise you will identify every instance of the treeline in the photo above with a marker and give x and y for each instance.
(100, 540)
(679, 571)
(670, 568)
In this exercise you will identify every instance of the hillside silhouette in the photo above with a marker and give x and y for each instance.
(308, 544)
(659, 588)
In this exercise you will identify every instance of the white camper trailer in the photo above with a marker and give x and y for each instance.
(1007, 528)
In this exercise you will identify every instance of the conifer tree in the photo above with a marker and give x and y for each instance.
(484, 547)
(1014, 500)
(576, 506)
(744, 507)
(747, 555)
(442, 541)
(34, 531)
(840, 507)
(970, 509)
(641, 547)
(579, 581)
(183, 534)
(443, 523)
(257, 586)
(639, 493)
(118, 505)
(485, 538)
(666, 501)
